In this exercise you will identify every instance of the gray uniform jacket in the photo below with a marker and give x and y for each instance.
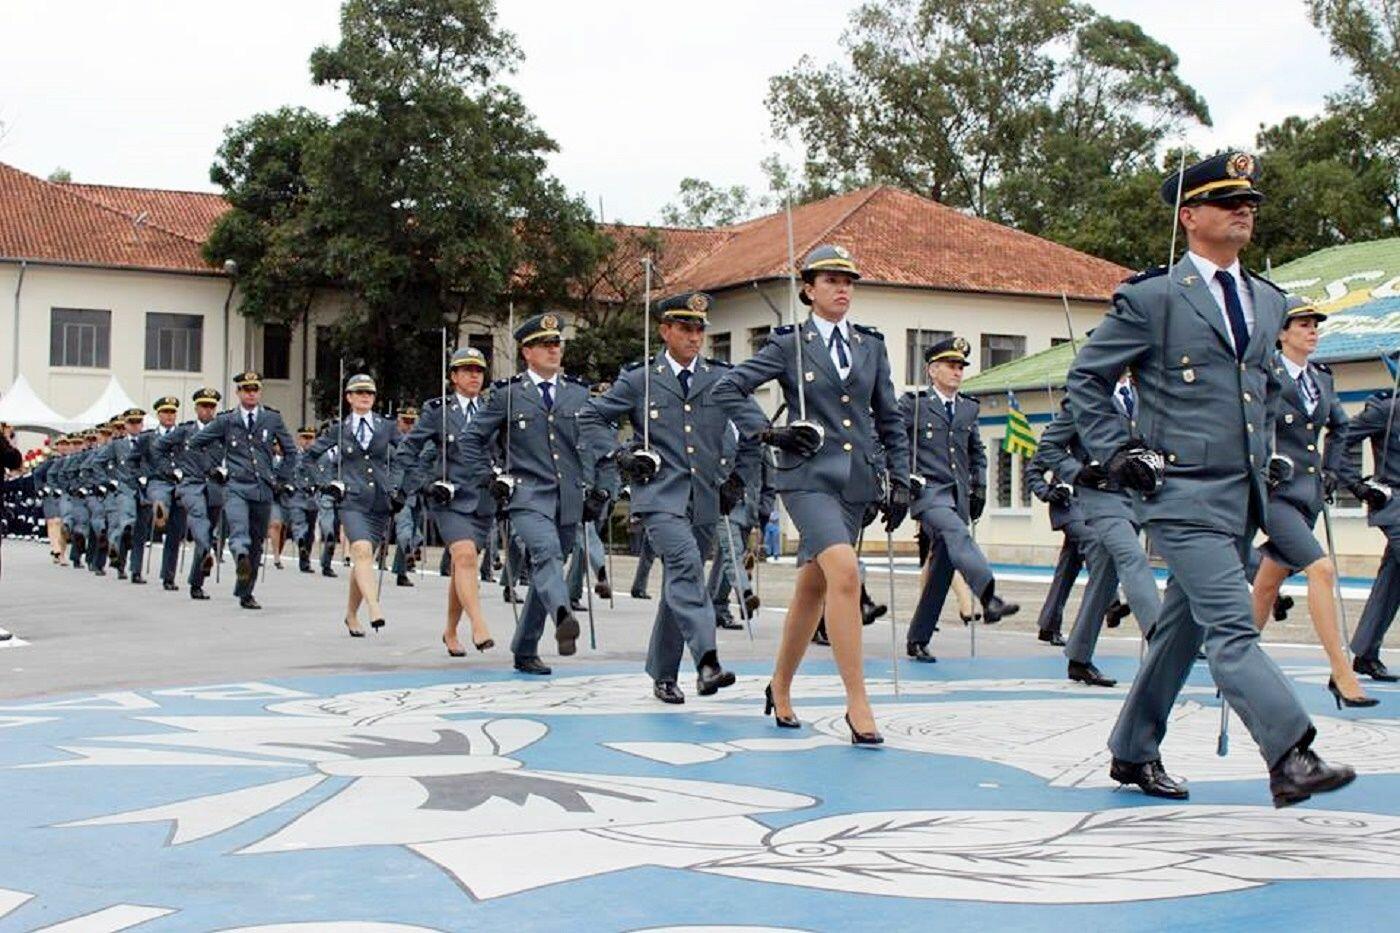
(427, 437)
(852, 411)
(149, 461)
(689, 433)
(1062, 452)
(92, 470)
(1370, 424)
(1211, 413)
(1037, 469)
(545, 455)
(950, 454)
(248, 454)
(193, 465)
(1298, 436)
(367, 472)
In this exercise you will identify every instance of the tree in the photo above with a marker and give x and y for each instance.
(425, 203)
(59, 176)
(703, 204)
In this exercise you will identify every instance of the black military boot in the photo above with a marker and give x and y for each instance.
(710, 677)
(1300, 773)
(304, 558)
(994, 608)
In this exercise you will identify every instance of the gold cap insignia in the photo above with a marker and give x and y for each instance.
(549, 322)
(1240, 165)
(841, 251)
(699, 302)
(962, 346)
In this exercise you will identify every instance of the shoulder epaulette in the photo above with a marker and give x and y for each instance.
(500, 383)
(1382, 394)
(971, 398)
(433, 403)
(185, 424)
(1322, 367)
(868, 330)
(1259, 278)
(271, 409)
(723, 364)
(578, 381)
(226, 411)
(635, 364)
(782, 330)
(1145, 274)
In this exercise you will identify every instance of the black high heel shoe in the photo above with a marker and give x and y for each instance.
(355, 631)
(459, 653)
(1344, 700)
(484, 645)
(376, 624)
(863, 738)
(769, 707)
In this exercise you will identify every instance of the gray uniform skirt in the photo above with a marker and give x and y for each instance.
(364, 526)
(455, 526)
(822, 520)
(52, 508)
(1291, 543)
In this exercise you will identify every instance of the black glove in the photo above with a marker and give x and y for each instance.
(1279, 471)
(142, 481)
(976, 503)
(441, 492)
(1136, 466)
(731, 493)
(896, 507)
(800, 439)
(335, 490)
(872, 512)
(397, 499)
(80, 492)
(595, 501)
(502, 488)
(637, 464)
(218, 475)
(1060, 494)
(286, 489)
(1329, 486)
(1093, 476)
(1374, 494)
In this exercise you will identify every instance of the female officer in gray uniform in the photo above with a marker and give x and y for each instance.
(363, 443)
(829, 469)
(1308, 402)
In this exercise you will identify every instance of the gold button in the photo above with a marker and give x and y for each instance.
(1185, 360)
(689, 449)
(845, 422)
(1312, 447)
(687, 406)
(1249, 428)
(1312, 469)
(556, 456)
(1310, 425)
(1247, 398)
(1171, 457)
(370, 470)
(549, 418)
(687, 429)
(551, 435)
(692, 469)
(846, 446)
(845, 398)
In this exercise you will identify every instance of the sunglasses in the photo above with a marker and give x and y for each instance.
(361, 391)
(1234, 204)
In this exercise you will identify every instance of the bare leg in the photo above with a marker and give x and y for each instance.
(277, 533)
(1322, 607)
(843, 627)
(467, 590)
(362, 579)
(967, 609)
(55, 529)
(1267, 581)
(454, 615)
(804, 610)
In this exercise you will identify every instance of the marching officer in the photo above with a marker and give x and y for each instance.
(300, 507)
(433, 456)
(1067, 518)
(364, 476)
(158, 507)
(1199, 340)
(94, 489)
(200, 498)
(951, 483)
(248, 433)
(124, 467)
(408, 530)
(674, 467)
(541, 490)
(831, 467)
(44, 478)
(1112, 548)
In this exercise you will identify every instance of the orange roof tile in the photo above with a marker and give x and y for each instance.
(191, 214)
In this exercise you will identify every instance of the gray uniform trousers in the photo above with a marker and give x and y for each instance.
(544, 541)
(1072, 554)
(1207, 584)
(1382, 602)
(727, 570)
(931, 598)
(408, 533)
(97, 528)
(684, 614)
(200, 520)
(644, 562)
(596, 559)
(162, 491)
(247, 524)
(948, 532)
(1115, 557)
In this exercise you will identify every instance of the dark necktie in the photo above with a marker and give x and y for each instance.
(838, 343)
(1234, 311)
(547, 390)
(1308, 389)
(1126, 394)
(684, 376)
(470, 410)
(360, 433)
(949, 408)
(250, 422)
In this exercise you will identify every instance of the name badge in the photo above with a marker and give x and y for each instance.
(1188, 375)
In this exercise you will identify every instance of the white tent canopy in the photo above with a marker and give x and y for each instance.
(112, 401)
(22, 408)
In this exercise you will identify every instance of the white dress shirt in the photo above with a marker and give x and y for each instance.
(825, 329)
(1208, 270)
(1295, 371)
(467, 406)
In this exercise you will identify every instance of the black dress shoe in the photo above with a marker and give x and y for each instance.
(532, 665)
(509, 595)
(138, 580)
(99, 572)
(248, 602)
(1300, 773)
(305, 566)
(919, 652)
(1374, 669)
(1052, 638)
(710, 677)
(603, 589)
(1281, 606)
(168, 585)
(403, 580)
(121, 573)
(328, 571)
(576, 605)
(244, 569)
(197, 592)
(640, 594)
(566, 632)
(1087, 673)
(1116, 612)
(728, 622)
(994, 608)
(667, 692)
(1150, 777)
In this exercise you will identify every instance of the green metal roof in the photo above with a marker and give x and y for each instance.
(1036, 371)
(1341, 276)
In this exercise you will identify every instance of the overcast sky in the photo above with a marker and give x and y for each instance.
(638, 96)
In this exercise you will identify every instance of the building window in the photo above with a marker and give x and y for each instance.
(175, 342)
(1001, 348)
(720, 347)
(80, 337)
(277, 351)
(917, 343)
(486, 343)
(758, 336)
(1004, 470)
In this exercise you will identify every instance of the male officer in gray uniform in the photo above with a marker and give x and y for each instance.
(1376, 423)
(680, 484)
(157, 478)
(950, 485)
(200, 498)
(123, 489)
(542, 491)
(1067, 518)
(1113, 550)
(95, 487)
(1199, 339)
(248, 432)
(300, 507)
